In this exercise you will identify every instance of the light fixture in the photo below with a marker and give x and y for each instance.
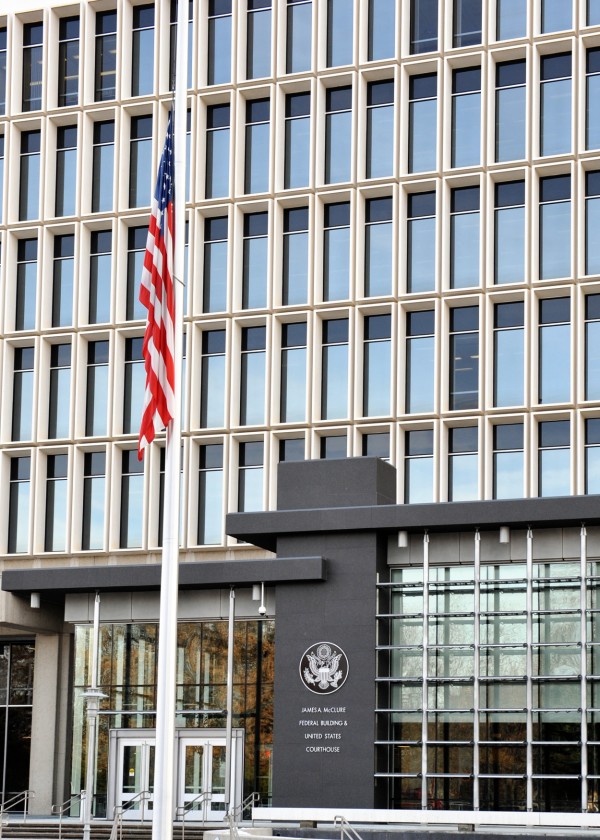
(504, 537)
(402, 539)
(34, 600)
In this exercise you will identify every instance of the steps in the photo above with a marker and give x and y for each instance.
(100, 830)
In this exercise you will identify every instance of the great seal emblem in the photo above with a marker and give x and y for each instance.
(324, 668)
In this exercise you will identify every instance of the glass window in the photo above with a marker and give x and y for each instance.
(136, 248)
(340, 39)
(511, 99)
(100, 276)
(556, 15)
(592, 347)
(555, 227)
(376, 445)
(382, 29)
(33, 66)
(258, 56)
(18, 505)
(173, 42)
(418, 466)
(509, 350)
(420, 361)
(66, 169)
(212, 393)
(466, 116)
(103, 166)
(256, 178)
(379, 234)
(217, 150)
(215, 264)
(27, 251)
(554, 473)
(464, 357)
(592, 221)
(255, 260)
(422, 122)
(511, 19)
(295, 256)
(55, 532)
(94, 483)
(509, 229)
(297, 140)
(555, 104)
(333, 447)
(132, 500)
(29, 193)
(420, 242)
(1, 175)
(134, 384)
(299, 36)
(334, 376)
(508, 461)
(293, 373)
(338, 134)
(467, 23)
(253, 370)
(142, 53)
(423, 26)
(291, 449)
(336, 252)
(105, 82)
(219, 41)
(592, 455)
(464, 237)
(22, 408)
(140, 162)
(68, 61)
(62, 281)
(593, 12)
(380, 129)
(377, 370)
(3, 70)
(462, 464)
(60, 391)
(250, 479)
(96, 417)
(555, 350)
(592, 110)
(210, 495)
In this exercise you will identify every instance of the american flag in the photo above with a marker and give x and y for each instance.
(157, 293)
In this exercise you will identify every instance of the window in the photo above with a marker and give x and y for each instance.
(215, 264)
(592, 455)
(462, 464)
(334, 381)
(18, 505)
(555, 104)
(511, 19)
(555, 227)
(132, 500)
(464, 237)
(136, 248)
(29, 194)
(22, 408)
(299, 32)
(213, 383)
(68, 61)
(94, 483)
(420, 242)
(333, 447)
(293, 373)
(103, 166)
(1, 175)
(420, 361)
(33, 65)
(377, 365)
(258, 56)
(100, 276)
(291, 449)
(379, 234)
(255, 260)
(210, 495)
(105, 82)
(423, 26)
(382, 28)
(250, 478)
(96, 417)
(140, 164)
(340, 38)
(593, 12)
(554, 474)
(336, 252)
(592, 347)
(376, 445)
(134, 384)
(142, 53)
(295, 256)
(62, 281)
(253, 369)
(380, 129)
(256, 178)
(173, 42)
(592, 111)
(464, 357)
(55, 532)
(592, 220)
(511, 98)
(509, 229)
(3, 76)
(466, 116)
(422, 117)
(467, 23)
(555, 350)
(27, 250)
(219, 41)
(66, 169)
(217, 150)
(338, 134)
(508, 469)
(418, 466)
(60, 391)
(556, 15)
(509, 349)
(297, 140)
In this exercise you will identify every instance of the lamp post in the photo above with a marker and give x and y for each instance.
(92, 695)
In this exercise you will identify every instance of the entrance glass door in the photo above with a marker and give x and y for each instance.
(136, 777)
(202, 771)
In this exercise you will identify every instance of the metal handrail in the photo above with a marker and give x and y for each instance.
(65, 806)
(346, 830)
(238, 812)
(184, 809)
(23, 796)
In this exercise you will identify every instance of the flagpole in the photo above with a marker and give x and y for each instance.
(165, 770)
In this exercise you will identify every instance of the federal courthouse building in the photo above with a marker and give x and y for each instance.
(391, 407)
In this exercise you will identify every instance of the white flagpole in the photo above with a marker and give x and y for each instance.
(164, 762)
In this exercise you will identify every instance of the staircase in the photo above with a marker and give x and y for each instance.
(100, 830)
